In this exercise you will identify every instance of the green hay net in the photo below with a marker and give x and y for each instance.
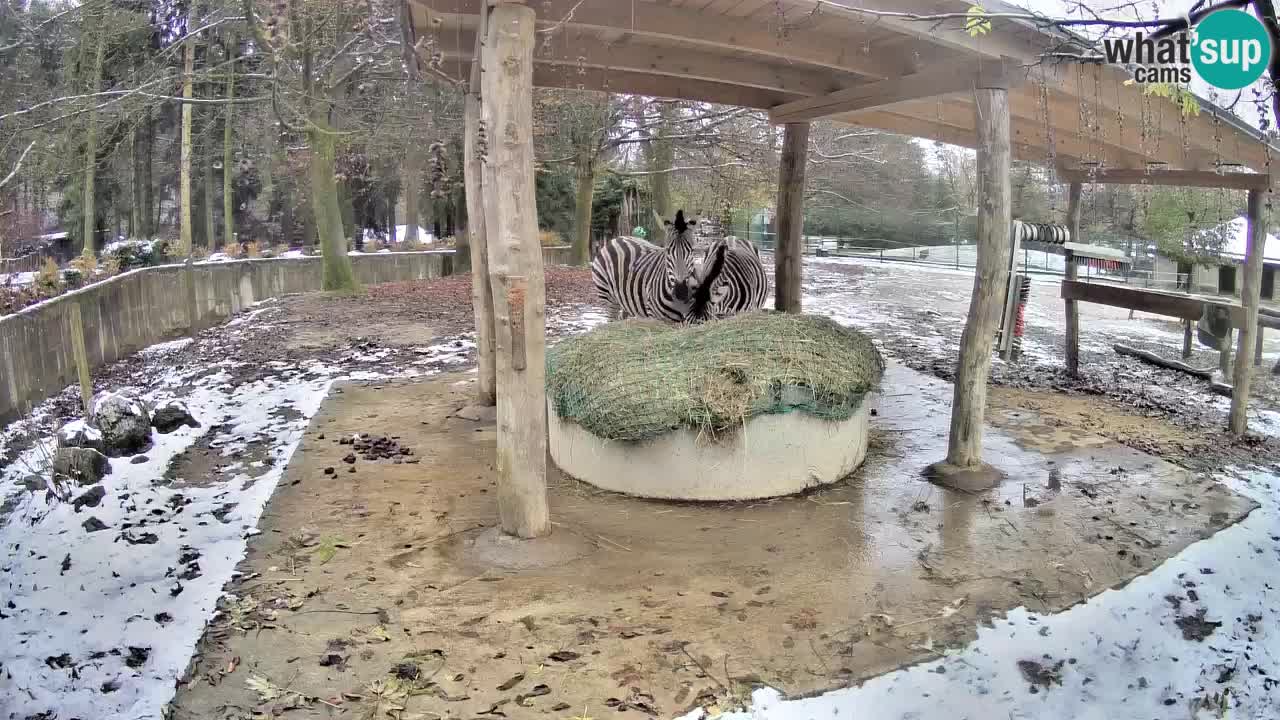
(638, 379)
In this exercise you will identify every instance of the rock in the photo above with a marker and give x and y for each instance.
(79, 434)
(138, 459)
(478, 413)
(125, 425)
(82, 465)
(93, 524)
(171, 415)
(90, 499)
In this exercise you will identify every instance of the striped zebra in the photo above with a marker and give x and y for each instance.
(734, 277)
(635, 278)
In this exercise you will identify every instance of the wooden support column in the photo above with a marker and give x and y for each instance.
(515, 270)
(789, 245)
(1250, 296)
(481, 290)
(1073, 308)
(1257, 346)
(1186, 338)
(963, 467)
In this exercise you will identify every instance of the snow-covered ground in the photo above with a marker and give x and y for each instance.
(107, 588)
(1120, 655)
(17, 279)
(104, 603)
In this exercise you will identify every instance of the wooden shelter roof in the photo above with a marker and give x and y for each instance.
(832, 59)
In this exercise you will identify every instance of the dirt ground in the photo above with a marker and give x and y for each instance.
(379, 586)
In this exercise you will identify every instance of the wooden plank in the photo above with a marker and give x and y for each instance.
(1238, 421)
(481, 290)
(801, 46)
(82, 359)
(1176, 178)
(790, 246)
(1072, 308)
(1187, 307)
(676, 88)
(926, 84)
(678, 62)
(515, 269)
(994, 217)
(472, 176)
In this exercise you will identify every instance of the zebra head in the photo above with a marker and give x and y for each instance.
(706, 298)
(681, 275)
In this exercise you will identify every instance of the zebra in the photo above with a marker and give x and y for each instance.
(635, 278)
(734, 277)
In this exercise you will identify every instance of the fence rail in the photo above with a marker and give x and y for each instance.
(24, 263)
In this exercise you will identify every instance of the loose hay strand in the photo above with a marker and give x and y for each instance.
(638, 379)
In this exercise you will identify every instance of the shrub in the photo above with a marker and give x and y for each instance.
(49, 279)
(80, 270)
(550, 238)
(252, 249)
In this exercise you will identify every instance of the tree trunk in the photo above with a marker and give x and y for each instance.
(991, 114)
(516, 268)
(228, 174)
(584, 170)
(1250, 296)
(210, 233)
(660, 157)
(149, 214)
(184, 169)
(135, 186)
(412, 180)
(338, 275)
(789, 243)
(91, 149)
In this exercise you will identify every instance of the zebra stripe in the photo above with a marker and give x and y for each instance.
(635, 278)
(742, 284)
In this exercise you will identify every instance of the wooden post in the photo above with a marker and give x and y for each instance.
(515, 269)
(963, 466)
(1257, 347)
(787, 256)
(1186, 339)
(1224, 358)
(472, 172)
(1073, 308)
(193, 313)
(82, 359)
(1250, 296)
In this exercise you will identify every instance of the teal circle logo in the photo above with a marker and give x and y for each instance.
(1231, 49)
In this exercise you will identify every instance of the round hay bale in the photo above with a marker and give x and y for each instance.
(758, 405)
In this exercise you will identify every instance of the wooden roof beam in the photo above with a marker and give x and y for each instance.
(1008, 39)
(926, 84)
(676, 88)
(1177, 178)
(799, 46)
(681, 62)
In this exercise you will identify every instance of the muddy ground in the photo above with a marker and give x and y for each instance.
(915, 314)
(379, 585)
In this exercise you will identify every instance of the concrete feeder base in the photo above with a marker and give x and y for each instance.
(771, 455)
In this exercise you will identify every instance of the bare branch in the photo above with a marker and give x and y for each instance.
(17, 167)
